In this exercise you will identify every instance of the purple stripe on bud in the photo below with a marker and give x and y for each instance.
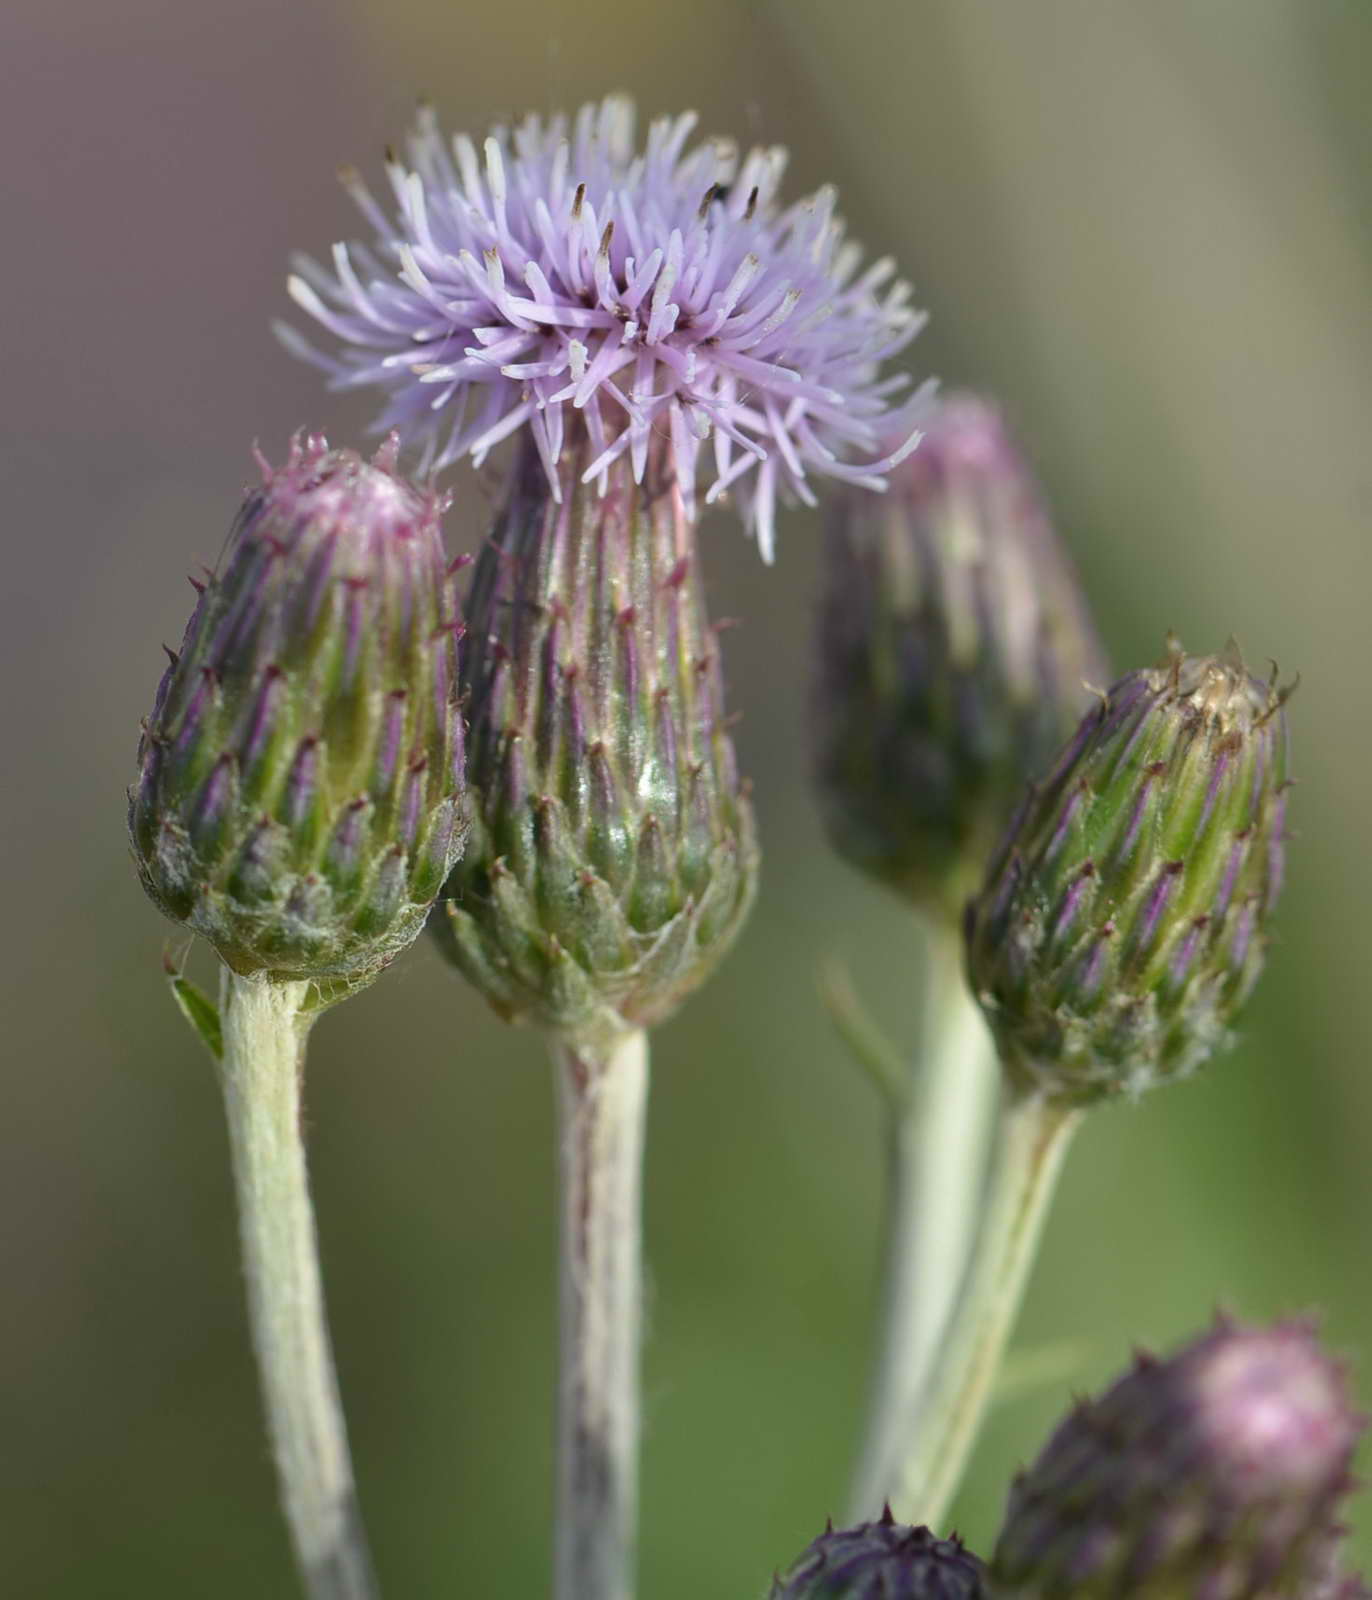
(350, 834)
(263, 715)
(1220, 765)
(1238, 854)
(513, 779)
(1156, 903)
(203, 695)
(302, 786)
(1076, 897)
(388, 740)
(1138, 811)
(214, 802)
(1241, 935)
(388, 889)
(412, 807)
(355, 620)
(1092, 967)
(1062, 827)
(665, 745)
(1184, 956)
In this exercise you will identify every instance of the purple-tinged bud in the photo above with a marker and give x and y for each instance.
(955, 646)
(300, 792)
(1215, 1474)
(1122, 922)
(882, 1559)
(612, 855)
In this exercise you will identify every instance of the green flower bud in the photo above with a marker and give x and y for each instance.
(885, 1560)
(1121, 923)
(955, 644)
(1216, 1474)
(299, 794)
(612, 855)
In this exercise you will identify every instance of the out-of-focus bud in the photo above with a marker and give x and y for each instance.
(955, 646)
(612, 855)
(300, 786)
(1121, 923)
(882, 1559)
(1215, 1473)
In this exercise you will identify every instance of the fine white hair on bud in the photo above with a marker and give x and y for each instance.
(660, 293)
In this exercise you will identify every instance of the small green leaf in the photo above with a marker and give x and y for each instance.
(200, 1011)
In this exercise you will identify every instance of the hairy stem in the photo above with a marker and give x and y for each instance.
(602, 1096)
(264, 1038)
(1031, 1141)
(936, 1166)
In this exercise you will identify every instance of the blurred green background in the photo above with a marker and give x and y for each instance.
(1146, 228)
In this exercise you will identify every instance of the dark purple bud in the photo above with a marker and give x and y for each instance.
(882, 1561)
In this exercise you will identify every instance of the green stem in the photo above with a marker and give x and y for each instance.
(1031, 1142)
(935, 1169)
(602, 1099)
(264, 1037)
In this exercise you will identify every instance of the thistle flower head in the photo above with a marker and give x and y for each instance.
(1216, 1473)
(664, 292)
(881, 1559)
(1122, 921)
(612, 856)
(954, 648)
(299, 794)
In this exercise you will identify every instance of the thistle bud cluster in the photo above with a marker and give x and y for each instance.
(882, 1558)
(1123, 919)
(612, 856)
(299, 799)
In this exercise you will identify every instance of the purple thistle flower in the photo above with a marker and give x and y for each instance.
(665, 296)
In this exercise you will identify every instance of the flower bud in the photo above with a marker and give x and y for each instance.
(612, 855)
(955, 644)
(1215, 1473)
(299, 795)
(882, 1559)
(1122, 921)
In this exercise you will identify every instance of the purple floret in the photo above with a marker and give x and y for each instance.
(663, 295)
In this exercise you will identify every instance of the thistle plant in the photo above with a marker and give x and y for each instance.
(1121, 925)
(1217, 1472)
(617, 312)
(331, 763)
(955, 647)
(299, 803)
